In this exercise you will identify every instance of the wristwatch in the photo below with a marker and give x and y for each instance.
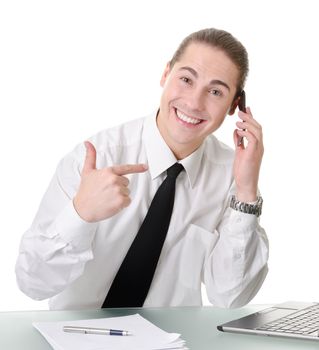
(247, 208)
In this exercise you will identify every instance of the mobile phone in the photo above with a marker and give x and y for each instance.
(242, 107)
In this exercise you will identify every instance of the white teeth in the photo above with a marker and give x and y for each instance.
(187, 119)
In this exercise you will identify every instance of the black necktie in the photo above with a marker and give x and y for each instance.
(134, 277)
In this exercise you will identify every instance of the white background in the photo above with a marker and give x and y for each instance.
(71, 68)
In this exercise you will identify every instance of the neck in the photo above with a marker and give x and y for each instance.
(179, 150)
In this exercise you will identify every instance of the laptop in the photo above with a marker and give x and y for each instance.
(290, 319)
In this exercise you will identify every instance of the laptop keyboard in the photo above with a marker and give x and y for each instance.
(305, 321)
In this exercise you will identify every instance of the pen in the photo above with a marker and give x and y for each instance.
(90, 330)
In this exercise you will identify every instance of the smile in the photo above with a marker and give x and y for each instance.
(186, 119)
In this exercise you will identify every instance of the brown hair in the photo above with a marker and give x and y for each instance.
(224, 41)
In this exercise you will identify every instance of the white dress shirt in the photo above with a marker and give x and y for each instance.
(74, 262)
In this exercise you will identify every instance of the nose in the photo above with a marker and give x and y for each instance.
(196, 100)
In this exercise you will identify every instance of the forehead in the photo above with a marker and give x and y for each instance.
(210, 63)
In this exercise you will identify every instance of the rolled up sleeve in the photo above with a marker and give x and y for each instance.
(237, 266)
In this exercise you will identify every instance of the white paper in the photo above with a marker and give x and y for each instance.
(146, 336)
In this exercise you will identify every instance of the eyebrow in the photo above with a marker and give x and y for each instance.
(212, 82)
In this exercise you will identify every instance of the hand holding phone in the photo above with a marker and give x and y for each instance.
(248, 157)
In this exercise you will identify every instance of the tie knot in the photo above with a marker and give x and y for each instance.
(174, 170)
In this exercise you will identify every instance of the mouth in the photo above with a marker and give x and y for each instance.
(187, 120)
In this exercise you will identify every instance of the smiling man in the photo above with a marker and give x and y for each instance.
(198, 92)
(148, 211)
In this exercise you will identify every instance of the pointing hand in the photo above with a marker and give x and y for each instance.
(103, 192)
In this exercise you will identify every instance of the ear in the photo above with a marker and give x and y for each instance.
(165, 74)
(234, 105)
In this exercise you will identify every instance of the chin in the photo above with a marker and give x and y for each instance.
(186, 144)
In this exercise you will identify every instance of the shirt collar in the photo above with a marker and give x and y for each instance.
(160, 157)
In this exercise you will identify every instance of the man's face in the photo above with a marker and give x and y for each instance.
(198, 92)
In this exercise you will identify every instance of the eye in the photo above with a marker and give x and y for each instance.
(215, 92)
(186, 80)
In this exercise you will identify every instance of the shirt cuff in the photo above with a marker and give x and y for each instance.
(73, 230)
(242, 222)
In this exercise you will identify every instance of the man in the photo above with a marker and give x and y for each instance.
(83, 236)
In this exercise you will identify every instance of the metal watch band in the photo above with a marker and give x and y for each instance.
(247, 208)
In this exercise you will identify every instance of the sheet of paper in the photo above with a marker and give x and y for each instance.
(146, 336)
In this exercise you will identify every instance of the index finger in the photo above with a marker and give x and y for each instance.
(129, 169)
(246, 115)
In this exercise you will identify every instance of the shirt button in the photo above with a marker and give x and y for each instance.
(238, 220)
(237, 256)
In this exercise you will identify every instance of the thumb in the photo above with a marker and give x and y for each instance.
(90, 158)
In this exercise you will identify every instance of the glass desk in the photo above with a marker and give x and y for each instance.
(197, 325)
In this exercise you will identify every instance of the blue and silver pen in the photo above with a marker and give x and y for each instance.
(90, 330)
